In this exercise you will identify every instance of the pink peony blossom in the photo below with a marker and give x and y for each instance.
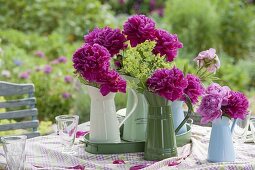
(222, 101)
(138, 29)
(91, 61)
(210, 108)
(224, 91)
(237, 105)
(112, 39)
(168, 83)
(194, 88)
(111, 82)
(167, 44)
(209, 60)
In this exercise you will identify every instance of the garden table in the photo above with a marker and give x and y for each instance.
(44, 152)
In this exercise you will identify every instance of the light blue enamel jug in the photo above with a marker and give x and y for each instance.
(179, 118)
(178, 115)
(221, 147)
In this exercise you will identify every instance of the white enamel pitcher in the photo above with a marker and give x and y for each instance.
(104, 125)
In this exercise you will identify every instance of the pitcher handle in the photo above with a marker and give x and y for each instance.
(233, 125)
(190, 111)
(133, 108)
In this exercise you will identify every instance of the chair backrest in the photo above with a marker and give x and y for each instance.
(24, 108)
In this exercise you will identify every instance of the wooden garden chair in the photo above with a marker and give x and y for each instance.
(21, 109)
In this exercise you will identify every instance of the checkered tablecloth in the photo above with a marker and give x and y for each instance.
(45, 153)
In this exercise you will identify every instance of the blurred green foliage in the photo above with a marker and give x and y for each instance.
(72, 18)
(195, 22)
(222, 24)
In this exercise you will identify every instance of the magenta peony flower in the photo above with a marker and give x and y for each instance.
(112, 39)
(194, 88)
(167, 44)
(138, 29)
(111, 82)
(91, 61)
(210, 108)
(168, 83)
(237, 105)
(40, 54)
(68, 79)
(224, 92)
(209, 60)
(47, 69)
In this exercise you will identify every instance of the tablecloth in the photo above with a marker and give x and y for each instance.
(44, 152)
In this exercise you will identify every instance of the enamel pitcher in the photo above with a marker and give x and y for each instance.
(179, 119)
(221, 147)
(160, 140)
(135, 126)
(104, 125)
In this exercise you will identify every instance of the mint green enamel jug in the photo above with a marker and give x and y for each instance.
(135, 126)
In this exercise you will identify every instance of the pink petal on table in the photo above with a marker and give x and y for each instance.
(118, 162)
(81, 133)
(173, 163)
(79, 167)
(137, 167)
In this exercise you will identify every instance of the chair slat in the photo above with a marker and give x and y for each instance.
(20, 125)
(9, 89)
(18, 114)
(18, 103)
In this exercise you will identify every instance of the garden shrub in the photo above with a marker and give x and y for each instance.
(72, 18)
(237, 29)
(232, 75)
(133, 6)
(196, 22)
(34, 42)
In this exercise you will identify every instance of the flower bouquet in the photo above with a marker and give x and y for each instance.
(92, 66)
(219, 105)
